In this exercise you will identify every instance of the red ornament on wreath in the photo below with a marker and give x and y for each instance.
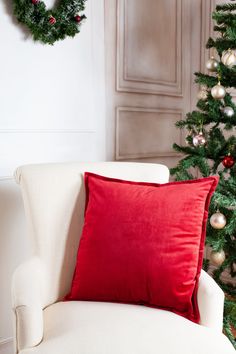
(35, 2)
(77, 18)
(52, 20)
(228, 161)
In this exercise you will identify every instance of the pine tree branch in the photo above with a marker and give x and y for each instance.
(204, 79)
(226, 7)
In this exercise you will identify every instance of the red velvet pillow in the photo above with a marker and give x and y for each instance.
(142, 243)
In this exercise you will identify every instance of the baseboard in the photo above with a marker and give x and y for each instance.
(6, 346)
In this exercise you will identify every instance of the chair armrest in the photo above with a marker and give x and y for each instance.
(28, 288)
(210, 299)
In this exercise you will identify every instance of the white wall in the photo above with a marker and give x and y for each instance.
(51, 109)
(13, 249)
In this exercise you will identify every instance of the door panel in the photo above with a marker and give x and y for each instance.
(140, 27)
(153, 48)
(141, 132)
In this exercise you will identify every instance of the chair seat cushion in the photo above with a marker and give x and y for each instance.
(108, 328)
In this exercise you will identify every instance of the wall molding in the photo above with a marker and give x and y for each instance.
(47, 131)
(6, 341)
(125, 82)
(119, 110)
(6, 178)
(7, 346)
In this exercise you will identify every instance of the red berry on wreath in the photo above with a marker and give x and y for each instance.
(35, 2)
(228, 161)
(52, 20)
(77, 18)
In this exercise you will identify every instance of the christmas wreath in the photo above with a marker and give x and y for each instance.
(50, 25)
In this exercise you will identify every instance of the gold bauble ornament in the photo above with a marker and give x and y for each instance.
(212, 64)
(229, 58)
(218, 220)
(218, 91)
(199, 140)
(217, 258)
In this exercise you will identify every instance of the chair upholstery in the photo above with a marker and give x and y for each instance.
(54, 199)
(105, 328)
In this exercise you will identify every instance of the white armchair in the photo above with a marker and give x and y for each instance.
(54, 200)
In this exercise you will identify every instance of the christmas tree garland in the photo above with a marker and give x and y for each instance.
(49, 26)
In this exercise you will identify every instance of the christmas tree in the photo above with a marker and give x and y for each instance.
(210, 149)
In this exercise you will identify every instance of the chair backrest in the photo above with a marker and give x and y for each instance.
(54, 198)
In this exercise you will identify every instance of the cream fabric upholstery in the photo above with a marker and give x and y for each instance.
(210, 302)
(54, 200)
(105, 328)
(28, 286)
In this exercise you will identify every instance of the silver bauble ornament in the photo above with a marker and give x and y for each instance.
(212, 64)
(228, 111)
(217, 258)
(229, 58)
(218, 91)
(199, 139)
(218, 220)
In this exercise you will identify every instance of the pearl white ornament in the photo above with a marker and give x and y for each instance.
(217, 258)
(218, 221)
(229, 58)
(218, 91)
(199, 140)
(228, 111)
(212, 64)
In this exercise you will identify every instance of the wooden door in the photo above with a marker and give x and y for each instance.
(153, 47)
